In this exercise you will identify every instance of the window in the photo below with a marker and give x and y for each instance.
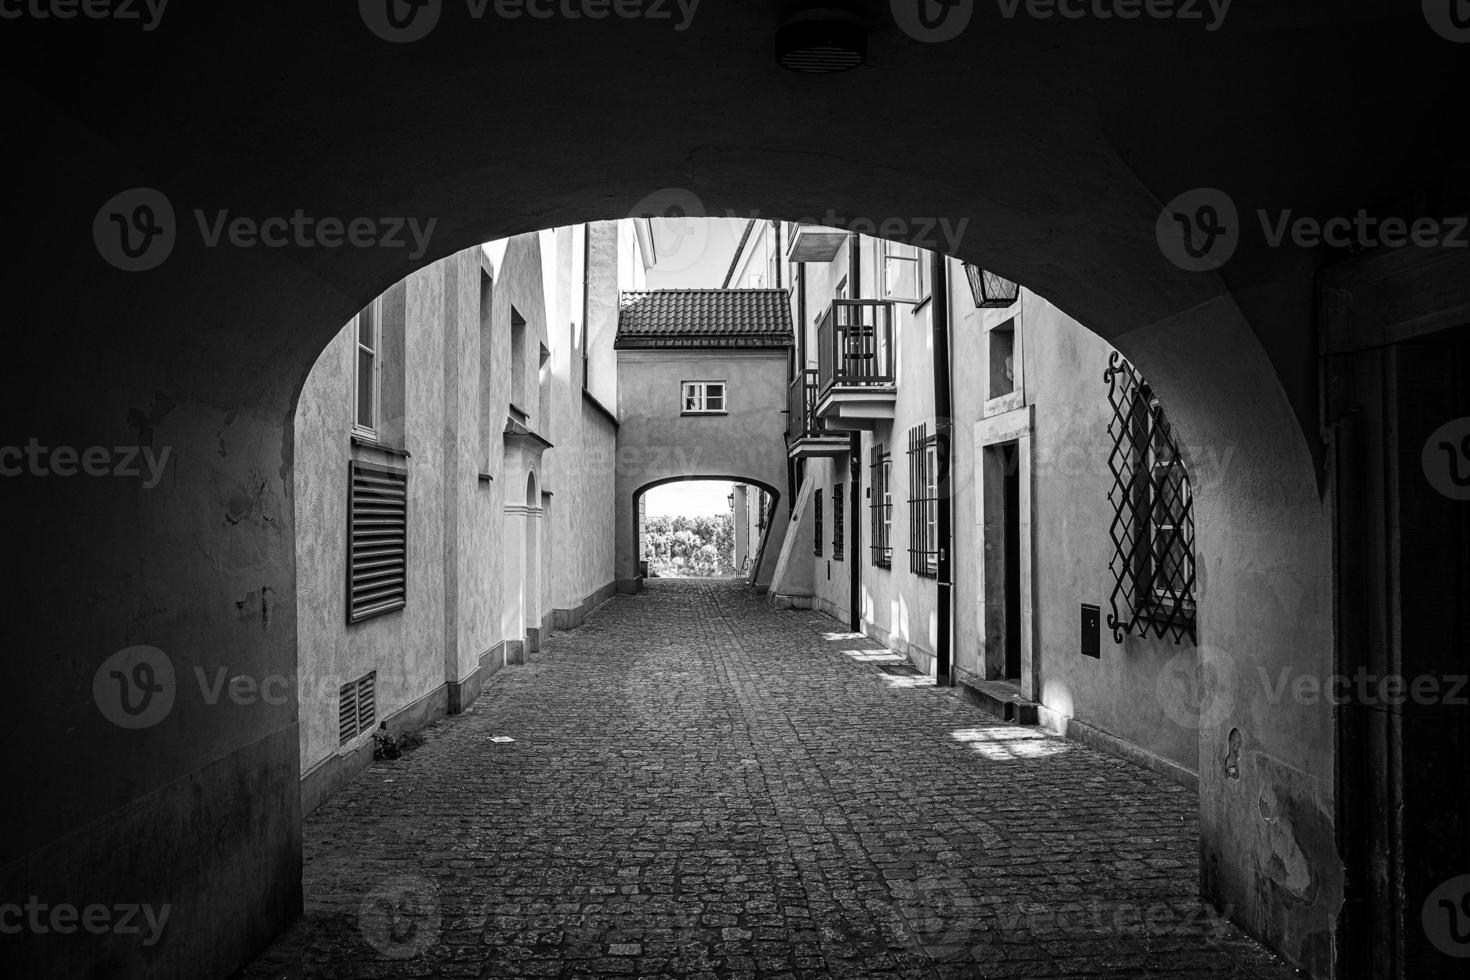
(923, 459)
(1003, 359)
(704, 397)
(880, 507)
(839, 515)
(377, 553)
(905, 273)
(365, 420)
(817, 531)
(1153, 521)
(518, 355)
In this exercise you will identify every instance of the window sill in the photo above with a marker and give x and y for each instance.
(366, 442)
(721, 412)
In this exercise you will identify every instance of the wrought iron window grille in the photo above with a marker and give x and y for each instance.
(839, 520)
(817, 532)
(1152, 529)
(924, 480)
(880, 506)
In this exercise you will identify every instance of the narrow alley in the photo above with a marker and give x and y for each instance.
(694, 784)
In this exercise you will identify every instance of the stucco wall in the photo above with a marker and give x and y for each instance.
(401, 646)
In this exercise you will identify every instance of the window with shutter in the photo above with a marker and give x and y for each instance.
(377, 554)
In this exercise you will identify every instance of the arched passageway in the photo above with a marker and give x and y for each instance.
(768, 526)
(1088, 129)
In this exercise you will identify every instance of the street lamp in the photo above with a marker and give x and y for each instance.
(990, 290)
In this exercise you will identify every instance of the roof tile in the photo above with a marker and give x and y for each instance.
(705, 318)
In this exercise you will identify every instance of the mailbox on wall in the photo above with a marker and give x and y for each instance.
(1091, 632)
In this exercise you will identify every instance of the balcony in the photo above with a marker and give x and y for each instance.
(857, 379)
(815, 243)
(806, 434)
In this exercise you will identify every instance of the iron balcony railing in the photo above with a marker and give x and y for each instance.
(855, 344)
(801, 407)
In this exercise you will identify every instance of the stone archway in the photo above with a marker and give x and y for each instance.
(629, 537)
(1089, 129)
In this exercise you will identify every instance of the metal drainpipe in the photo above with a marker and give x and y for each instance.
(943, 429)
(854, 457)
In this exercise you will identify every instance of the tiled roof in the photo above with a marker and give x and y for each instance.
(705, 318)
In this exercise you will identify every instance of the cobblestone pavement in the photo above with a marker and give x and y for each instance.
(701, 786)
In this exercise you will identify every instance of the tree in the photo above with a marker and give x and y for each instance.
(690, 547)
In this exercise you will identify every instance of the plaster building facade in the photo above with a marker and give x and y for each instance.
(453, 485)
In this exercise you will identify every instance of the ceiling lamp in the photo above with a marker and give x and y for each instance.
(822, 40)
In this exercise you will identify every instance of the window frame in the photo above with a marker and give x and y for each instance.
(817, 523)
(375, 352)
(923, 463)
(839, 522)
(703, 399)
(923, 282)
(880, 507)
(1155, 600)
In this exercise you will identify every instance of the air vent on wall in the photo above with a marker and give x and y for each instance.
(357, 707)
(377, 565)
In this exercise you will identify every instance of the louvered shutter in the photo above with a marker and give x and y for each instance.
(377, 566)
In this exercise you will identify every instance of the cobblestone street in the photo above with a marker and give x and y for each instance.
(696, 785)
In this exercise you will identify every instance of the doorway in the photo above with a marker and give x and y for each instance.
(1011, 519)
(1400, 415)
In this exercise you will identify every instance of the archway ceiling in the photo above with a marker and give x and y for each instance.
(1057, 140)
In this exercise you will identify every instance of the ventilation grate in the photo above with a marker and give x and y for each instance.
(377, 566)
(900, 670)
(357, 707)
